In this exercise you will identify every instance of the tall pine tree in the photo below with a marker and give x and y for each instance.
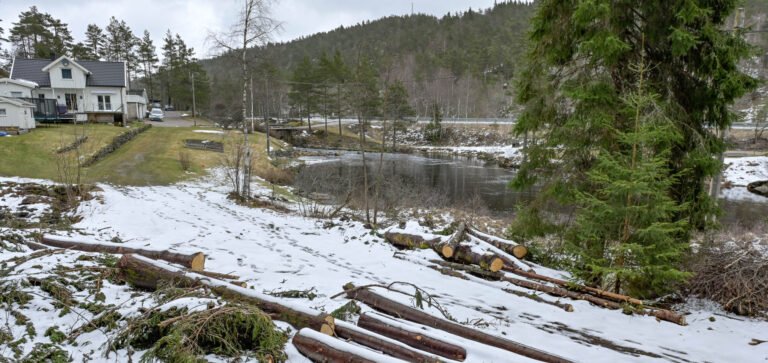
(573, 90)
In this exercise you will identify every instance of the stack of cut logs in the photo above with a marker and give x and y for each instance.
(398, 332)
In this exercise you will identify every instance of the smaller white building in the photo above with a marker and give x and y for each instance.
(16, 115)
(16, 88)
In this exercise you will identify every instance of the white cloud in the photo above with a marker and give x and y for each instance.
(192, 19)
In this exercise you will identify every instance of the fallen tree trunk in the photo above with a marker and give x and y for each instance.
(661, 314)
(514, 249)
(509, 260)
(464, 254)
(581, 288)
(360, 336)
(145, 273)
(322, 348)
(412, 338)
(394, 308)
(537, 298)
(450, 250)
(195, 261)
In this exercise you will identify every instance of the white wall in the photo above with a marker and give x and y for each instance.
(17, 116)
(77, 81)
(7, 88)
(117, 97)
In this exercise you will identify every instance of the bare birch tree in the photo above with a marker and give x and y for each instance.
(252, 29)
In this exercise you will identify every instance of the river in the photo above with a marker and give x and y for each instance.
(440, 180)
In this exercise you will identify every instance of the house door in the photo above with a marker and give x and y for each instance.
(71, 99)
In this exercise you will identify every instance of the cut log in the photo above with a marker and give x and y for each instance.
(410, 241)
(661, 314)
(464, 254)
(537, 298)
(383, 344)
(146, 273)
(448, 249)
(576, 287)
(218, 275)
(195, 261)
(514, 249)
(34, 246)
(509, 260)
(412, 338)
(322, 348)
(394, 308)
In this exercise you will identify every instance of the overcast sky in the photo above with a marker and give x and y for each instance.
(192, 19)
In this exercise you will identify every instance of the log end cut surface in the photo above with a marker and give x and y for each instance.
(198, 262)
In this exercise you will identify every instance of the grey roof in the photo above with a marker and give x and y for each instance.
(103, 74)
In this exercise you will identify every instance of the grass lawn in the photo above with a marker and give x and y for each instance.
(153, 158)
(33, 155)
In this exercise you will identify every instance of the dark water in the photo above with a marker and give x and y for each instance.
(445, 180)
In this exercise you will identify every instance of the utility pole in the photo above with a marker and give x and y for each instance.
(194, 105)
(266, 110)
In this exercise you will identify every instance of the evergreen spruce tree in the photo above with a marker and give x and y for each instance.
(626, 234)
(574, 90)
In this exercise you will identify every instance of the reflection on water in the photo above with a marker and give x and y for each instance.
(456, 179)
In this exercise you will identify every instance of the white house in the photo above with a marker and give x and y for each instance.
(16, 115)
(16, 88)
(93, 91)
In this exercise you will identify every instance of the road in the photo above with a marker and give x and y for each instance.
(175, 119)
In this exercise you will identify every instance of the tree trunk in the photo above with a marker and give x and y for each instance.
(195, 261)
(325, 349)
(360, 336)
(575, 287)
(661, 314)
(365, 170)
(490, 262)
(448, 249)
(413, 338)
(408, 313)
(514, 249)
(146, 273)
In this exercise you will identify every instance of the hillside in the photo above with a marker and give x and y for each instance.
(463, 61)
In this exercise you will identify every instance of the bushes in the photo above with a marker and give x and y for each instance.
(735, 276)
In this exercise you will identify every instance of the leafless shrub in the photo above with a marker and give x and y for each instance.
(733, 274)
(184, 160)
(276, 175)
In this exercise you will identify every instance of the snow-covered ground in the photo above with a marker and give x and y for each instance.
(742, 171)
(273, 251)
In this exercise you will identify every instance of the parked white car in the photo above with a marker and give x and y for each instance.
(156, 115)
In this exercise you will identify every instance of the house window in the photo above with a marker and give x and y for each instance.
(66, 73)
(41, 96)
(2, 112)
(71, 100)
(16, 94)
(105, 103)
